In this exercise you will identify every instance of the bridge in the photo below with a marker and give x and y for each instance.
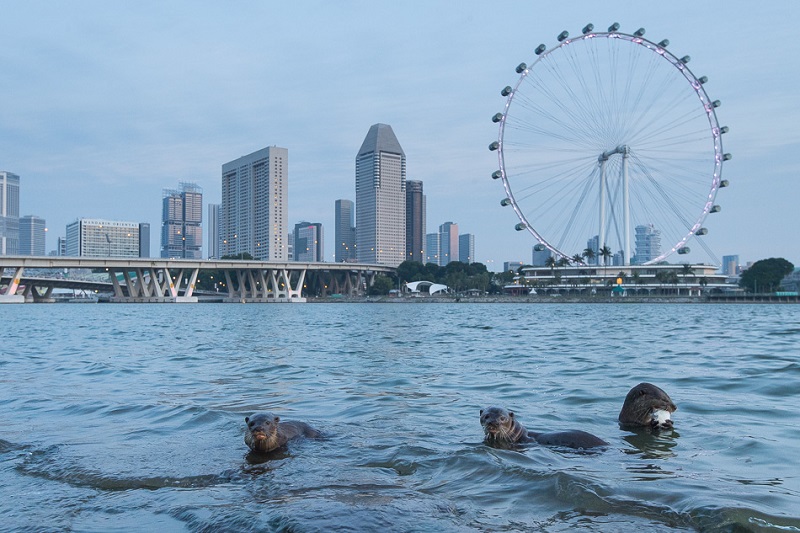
(143, 280)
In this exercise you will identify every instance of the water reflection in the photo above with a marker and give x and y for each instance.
(652, 443)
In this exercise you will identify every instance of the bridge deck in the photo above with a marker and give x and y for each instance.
(174, 280)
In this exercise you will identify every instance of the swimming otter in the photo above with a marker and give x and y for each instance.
(266, 432)
(647, 405)
(503, 429)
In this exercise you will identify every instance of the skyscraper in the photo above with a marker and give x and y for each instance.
(381, 198)
(730, 265)
(593, 244)
(345, 232)
(540, 257)
(144, 239)
(648, 243)
(466, 248)
(433, 249)
(32, 234)
(448, 243)
(212, 230)
(9, 213)
(309, 245)
(182, 222)
(254, 210)
(415, 222)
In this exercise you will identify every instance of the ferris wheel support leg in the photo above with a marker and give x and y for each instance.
(601, 234)
(626, 207)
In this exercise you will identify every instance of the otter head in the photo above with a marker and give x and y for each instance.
(647, 405)
(262, 432)
(498, 424)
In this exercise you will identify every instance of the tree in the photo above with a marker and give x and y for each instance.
(550, 262)
(589, 254)
(577, 259)
(411, 271)
(687, 271)
(381, 286)
(606, 253)
(765, 275)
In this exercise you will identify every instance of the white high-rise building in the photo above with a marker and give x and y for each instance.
(381, 198)
(254, 211)
(9, 213)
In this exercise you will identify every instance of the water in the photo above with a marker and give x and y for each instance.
(130, 417)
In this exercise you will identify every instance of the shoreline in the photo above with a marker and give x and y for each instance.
(741, 299)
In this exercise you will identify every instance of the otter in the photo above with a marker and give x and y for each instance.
(266, 432)
(647, 405)
(503, 429)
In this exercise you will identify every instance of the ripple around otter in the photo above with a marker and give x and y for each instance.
(138, 423)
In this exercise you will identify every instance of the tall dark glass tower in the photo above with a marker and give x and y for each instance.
(415, 222)
(345, 232)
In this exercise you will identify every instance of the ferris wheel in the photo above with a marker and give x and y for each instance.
(609, 142)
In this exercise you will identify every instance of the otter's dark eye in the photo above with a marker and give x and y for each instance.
(503, 418)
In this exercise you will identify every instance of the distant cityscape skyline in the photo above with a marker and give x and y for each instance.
(173, 201)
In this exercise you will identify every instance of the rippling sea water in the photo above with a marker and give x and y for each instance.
(130, 417)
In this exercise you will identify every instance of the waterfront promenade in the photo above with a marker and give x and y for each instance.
(147, 280)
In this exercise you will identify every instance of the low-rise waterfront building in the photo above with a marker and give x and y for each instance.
(630, 280)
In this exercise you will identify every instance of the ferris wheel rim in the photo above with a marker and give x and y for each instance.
(697, 84)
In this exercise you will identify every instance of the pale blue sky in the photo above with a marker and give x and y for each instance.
(104, 104)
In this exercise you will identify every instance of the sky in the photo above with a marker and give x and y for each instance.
(105, 104)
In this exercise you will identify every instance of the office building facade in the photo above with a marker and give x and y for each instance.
(730, 265)
(648, 243)
(345, 232)
(448, 243)
(182, 222)
(32, 235)
(415, 221)
(593, 244)
(106, 238)
(9, 213)
(254, 210)
(466, 248)
(433, 250)
(540, 257)
(308, 246)
(381, 198)
(212, 230)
